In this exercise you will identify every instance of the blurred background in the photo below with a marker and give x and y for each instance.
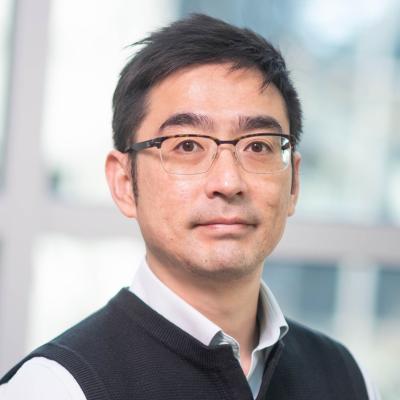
(64, 248)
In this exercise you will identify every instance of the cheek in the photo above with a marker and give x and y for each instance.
(275, 205)
(182, 189)
(164, 200)
(277, 193)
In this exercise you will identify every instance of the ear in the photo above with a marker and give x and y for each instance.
(295, 189)
(118, 173)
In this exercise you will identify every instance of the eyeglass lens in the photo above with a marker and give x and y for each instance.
(194, 155)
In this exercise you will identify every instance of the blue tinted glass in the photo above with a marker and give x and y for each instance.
(305, 291)
(388, 298)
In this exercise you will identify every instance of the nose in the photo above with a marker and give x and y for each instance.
(225, 178)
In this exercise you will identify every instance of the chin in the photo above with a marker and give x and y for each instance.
(224, 269)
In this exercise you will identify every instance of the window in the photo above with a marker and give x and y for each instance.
(346, 66)
(74, 277)
(388, 297)
(86, 53)
(305, 291)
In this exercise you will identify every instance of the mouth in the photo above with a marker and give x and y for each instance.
(225, 221)
(220, 225)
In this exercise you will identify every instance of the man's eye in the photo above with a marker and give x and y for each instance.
(258, 147)
(188, 146)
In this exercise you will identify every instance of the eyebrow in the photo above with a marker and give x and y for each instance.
(247, 123)
(188, 119)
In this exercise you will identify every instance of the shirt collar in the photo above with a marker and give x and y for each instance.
(163, 300)
(272, 323)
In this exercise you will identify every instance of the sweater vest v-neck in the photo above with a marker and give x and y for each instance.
(127, 351)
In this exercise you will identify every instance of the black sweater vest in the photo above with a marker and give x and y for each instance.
(127, 351)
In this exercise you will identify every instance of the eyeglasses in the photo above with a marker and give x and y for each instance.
(259, 153)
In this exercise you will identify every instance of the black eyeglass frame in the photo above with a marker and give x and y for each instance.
(157, 142)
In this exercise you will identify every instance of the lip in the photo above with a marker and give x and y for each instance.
(225, 227)
(224, 231)
(224, 221)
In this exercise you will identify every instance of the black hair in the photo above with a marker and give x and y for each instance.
(196, 40)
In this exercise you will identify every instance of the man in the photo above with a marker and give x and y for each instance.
(206, 125)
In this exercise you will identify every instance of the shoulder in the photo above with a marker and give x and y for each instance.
(41, 379)
(333, 354)
(317, 347)
(301, 335)
(326, 358)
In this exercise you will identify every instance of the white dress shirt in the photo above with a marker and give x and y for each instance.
(44, 379)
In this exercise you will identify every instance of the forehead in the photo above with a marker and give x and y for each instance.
(222, 94)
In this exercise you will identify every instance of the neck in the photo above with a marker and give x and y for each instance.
(231, 305)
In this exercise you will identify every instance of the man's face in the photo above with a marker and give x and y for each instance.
(224, 222)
